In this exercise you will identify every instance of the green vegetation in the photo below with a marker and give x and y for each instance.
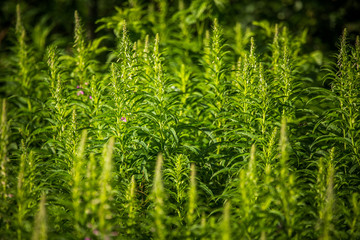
(175, 127)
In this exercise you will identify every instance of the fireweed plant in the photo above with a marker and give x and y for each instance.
(171, 126)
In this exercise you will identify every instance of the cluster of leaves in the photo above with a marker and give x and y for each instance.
(179, 135)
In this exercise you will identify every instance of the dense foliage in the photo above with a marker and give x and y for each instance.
(164, 128)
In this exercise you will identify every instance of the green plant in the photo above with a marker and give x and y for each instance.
(111, 130)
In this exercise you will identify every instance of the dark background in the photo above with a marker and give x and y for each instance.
(325, 20)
